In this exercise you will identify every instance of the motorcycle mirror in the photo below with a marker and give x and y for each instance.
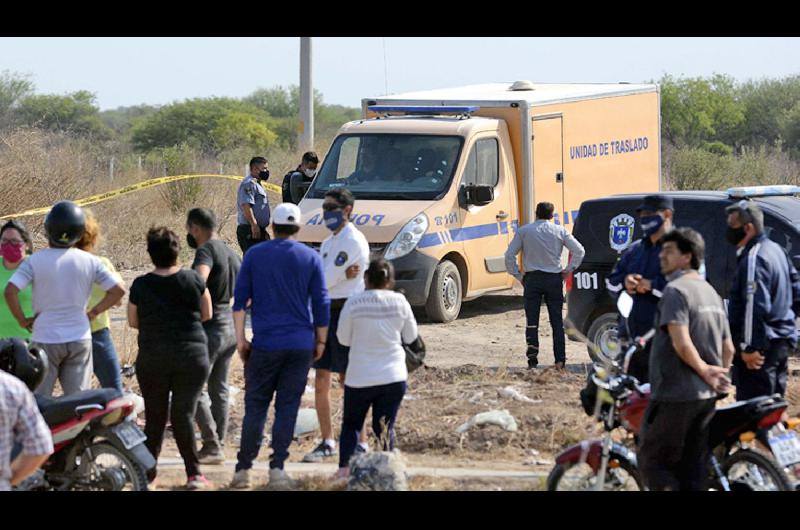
(625, 304)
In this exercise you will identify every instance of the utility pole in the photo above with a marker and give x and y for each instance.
(306, 125)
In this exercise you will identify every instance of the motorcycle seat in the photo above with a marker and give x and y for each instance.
(62, 409)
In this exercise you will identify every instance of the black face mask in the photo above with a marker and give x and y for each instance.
(735, 235)
(263, 175)
(191, 241)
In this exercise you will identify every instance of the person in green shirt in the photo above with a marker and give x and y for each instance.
(14, 239)
(104, 355)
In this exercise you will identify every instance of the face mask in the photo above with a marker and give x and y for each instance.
(651, 224)
(263, 175)
(310, 172)
(12, 253)
(191, 241)
(333, 220)
(735, 235)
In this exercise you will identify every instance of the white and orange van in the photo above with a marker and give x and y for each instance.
(443, 178)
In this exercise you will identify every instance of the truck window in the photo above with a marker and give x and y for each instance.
(389, 166)
(482, 164)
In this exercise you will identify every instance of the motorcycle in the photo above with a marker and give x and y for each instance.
(736, 461)
(95, 445)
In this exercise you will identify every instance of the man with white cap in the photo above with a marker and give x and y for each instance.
(290, 312)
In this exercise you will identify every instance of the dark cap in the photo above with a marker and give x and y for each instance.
(655, 203)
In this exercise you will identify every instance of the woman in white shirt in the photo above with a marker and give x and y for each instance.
(374, 324)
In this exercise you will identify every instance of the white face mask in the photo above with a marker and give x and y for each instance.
(310, 172)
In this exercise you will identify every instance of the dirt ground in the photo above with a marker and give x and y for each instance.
(469, 360)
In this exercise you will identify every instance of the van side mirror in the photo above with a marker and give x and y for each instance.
(479, 195)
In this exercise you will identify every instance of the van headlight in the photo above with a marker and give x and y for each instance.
(408, 238)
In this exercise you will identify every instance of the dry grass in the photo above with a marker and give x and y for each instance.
(39, 168)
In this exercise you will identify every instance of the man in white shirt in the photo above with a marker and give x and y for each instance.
(345, 255)
(62, 278)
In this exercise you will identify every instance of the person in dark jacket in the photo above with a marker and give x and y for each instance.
(295, 183)
(638, 271)
(762, 304)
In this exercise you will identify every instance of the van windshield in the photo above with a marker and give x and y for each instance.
(389, 166)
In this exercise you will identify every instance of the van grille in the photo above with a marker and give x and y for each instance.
(375, 249)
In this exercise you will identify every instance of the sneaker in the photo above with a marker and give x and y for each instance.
(241, 480)
(320, 452)
(280, 480)
(361, 449)
(198, 482)
(212, 456)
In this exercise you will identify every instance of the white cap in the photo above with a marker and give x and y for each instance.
(286, 213)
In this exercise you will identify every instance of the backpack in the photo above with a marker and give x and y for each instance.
(415, 354)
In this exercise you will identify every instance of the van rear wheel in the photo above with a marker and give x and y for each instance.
(603, 333)
(444, 298)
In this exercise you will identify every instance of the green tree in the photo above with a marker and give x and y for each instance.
(768, 105)
(284, 105)
(698, 112)
(13, 87)
(190, 122)
(73, 113)
(122, 119)
(240, 129)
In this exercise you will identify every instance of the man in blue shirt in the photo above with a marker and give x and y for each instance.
(638, 271)
(252, 206)
(762, 301)
(542, 243)
(290, 312)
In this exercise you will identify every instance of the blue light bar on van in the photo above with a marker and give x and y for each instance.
(427, 110)
(746, 192)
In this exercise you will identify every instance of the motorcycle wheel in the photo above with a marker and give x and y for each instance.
(111, 469)
(750, 470)
(579, 476)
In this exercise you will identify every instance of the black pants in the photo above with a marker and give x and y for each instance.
(385, 401)
(640, 364)
(767, 380)
(673, 447)
(182, 370)
(549, 286)
(335, 356)
(245, 237)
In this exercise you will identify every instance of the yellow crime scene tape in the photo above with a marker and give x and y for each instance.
(94, 199)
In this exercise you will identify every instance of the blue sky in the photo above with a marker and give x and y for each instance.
(127, 71)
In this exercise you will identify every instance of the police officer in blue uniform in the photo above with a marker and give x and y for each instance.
(638, 271)
(762, 303)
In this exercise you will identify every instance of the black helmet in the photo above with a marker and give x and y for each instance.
(65, 224)
(27, 364)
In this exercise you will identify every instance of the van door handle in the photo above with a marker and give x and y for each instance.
(502, 215)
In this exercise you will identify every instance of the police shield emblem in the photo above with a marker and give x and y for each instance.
(620, 232)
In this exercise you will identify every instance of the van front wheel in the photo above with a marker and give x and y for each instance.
(444, 299)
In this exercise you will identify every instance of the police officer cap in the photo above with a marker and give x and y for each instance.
(654, 203)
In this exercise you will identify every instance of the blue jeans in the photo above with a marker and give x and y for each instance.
(385, 401)
(549, 286)
(105, 360)
(282, 374)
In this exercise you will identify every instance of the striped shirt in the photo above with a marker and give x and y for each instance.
(20, 422)
(376, 324)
